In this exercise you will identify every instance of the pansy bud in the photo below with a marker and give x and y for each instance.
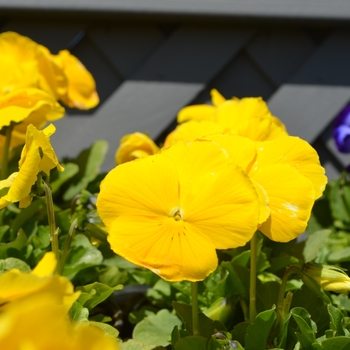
(134, 146)
(330, 278)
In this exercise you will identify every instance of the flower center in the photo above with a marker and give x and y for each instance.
(176, 213)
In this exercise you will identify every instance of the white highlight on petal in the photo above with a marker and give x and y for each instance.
(293, 208)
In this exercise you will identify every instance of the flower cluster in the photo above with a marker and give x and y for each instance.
(34, 312)
(227, 170)
(33, 80)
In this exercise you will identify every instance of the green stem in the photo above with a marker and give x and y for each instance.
(291, 270)
(52, 222)
(6, 151)
(195, 321)
(252, 293)
(66, 248)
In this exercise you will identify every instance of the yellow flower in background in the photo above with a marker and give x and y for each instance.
(81, 88)
(248, 117)
(170, 212)
(37, 156)
(288, 178)
(24, 107)
(330, 278)
(18, 65)
(26, 64)
(134, 146)
(16, 285)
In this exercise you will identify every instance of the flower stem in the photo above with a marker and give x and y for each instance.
(52, 222)
(280, 304)
(6, 151)
(252, 293)
(67, 245)
(195, 321)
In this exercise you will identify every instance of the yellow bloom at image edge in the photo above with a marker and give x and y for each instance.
(330, 278)
(34, 312)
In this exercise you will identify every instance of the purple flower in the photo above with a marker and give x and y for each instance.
(341, 130)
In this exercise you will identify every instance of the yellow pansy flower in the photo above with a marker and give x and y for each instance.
(288, 178)
(169, 212)
(248, 117)
(134, 146)
(81, 88)
(16, 285)
(37, 156)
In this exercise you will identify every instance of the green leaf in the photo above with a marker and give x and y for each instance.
(206, 325)
(156, 329)
(70, 169)
(41, 239)
(191, 343)
(337, 320)
(239, 332)
(339, 255)
(94, 294)
(89, 162)
(78, 313)
(15, 247)
(314, 243)
(337, 343)
(306, 326)
(13, 263)
(101, 318)
(238, 279)
(82, 255)
(258, 332)
(133, 344)
(107, 328)
(3, 230)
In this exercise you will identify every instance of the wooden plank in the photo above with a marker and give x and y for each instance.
(308, 109)
(126, 46)
(107, 79)
(136, 106)
(241, 78)
(194, 54)
(280, 52)
(329, 64)
(302, 9)
(150, 99)
(318, 91)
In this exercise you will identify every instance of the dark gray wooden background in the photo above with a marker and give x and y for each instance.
(151, 57)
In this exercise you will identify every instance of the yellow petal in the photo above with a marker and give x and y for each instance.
(144, 187)
(46, 265)
(192, 130)
(18, 65)
(196, 112)
(133, 146)
(52, 77)
(81, 91)
(298, 154)
(217, 98)
(249, 118)
(241, 150)
(29, 106)
(291, 197)
(175, 250)
(224, 206)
